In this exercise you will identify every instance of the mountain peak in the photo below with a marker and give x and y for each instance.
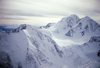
(69, 21)
(21, 27)
(73, 16)
(87, 17)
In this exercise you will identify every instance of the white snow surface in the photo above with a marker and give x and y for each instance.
(31, 47)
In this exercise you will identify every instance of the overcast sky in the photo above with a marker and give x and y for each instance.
(41, 12)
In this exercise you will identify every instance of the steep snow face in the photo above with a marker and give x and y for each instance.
(69, 21)
(14, 45)
(65, 24)
(85, 27)
(39, 40)
(29, 48)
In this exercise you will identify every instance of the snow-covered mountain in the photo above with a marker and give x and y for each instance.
(50, 46)
(65, 24)
(27, 47)
(85, 27)
(73, 27)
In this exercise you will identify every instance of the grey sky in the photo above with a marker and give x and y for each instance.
(41, 12)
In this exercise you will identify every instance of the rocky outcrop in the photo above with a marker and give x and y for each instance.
(5, 60)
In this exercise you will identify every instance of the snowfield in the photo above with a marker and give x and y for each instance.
(70, 43)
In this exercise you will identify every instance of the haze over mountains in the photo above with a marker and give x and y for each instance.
(6, 27)
(70, 43)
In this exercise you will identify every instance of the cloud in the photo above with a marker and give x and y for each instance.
(97, 11)
(18, 13)
(46, 9)
(11, 18)
(52, 7)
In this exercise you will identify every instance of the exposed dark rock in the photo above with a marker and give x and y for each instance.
(19, 65)
(70, 33)
(48, 25)
(57, 49)
(98, 54)
(5, 60)
(86, 28)
(95, 39)
(70, 22)
(23, 26)
(83, 32)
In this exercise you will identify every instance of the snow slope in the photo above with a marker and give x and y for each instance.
(64, 25)
(31, 47)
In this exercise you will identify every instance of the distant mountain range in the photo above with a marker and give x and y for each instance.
(5, 27)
